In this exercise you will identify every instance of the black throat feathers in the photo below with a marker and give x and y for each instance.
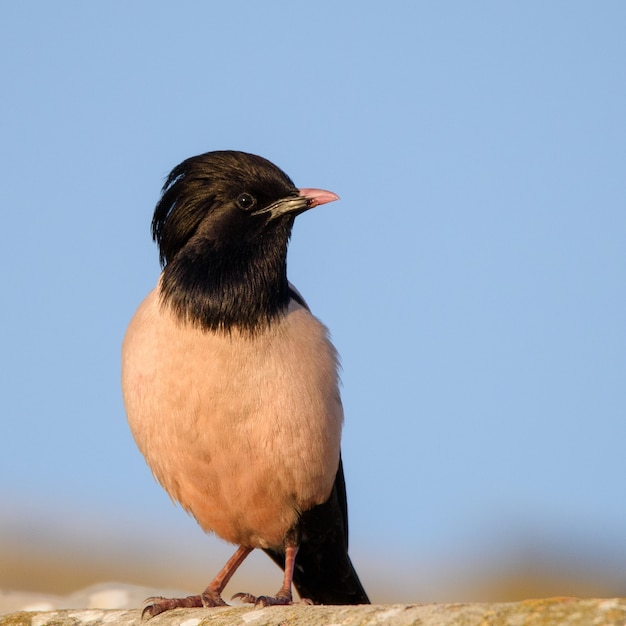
(221, 287)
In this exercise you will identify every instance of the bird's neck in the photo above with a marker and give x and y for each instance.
(221, 288)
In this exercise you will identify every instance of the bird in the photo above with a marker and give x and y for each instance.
(231, 384)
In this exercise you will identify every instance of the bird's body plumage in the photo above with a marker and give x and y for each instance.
(231, 385)
(215, 413)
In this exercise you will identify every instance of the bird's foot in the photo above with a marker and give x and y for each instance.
(157, 604)
(282, 598)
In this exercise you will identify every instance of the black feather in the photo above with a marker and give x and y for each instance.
(324, 572)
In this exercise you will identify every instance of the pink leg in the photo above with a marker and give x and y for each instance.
(211, 596)
(284, 595)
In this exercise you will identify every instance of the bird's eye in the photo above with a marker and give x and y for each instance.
(246, 201)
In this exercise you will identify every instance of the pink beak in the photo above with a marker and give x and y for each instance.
(315, 197)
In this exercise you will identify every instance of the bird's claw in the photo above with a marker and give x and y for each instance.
(246, 598)
(211, 598)
(157, 604)
(280, 599)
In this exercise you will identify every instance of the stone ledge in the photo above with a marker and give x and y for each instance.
(561, 611)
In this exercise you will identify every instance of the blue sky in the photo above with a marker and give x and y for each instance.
(473, 275)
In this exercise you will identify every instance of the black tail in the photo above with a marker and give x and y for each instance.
(323, 571)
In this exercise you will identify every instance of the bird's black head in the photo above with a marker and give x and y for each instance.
(219, 193)
(222, 226)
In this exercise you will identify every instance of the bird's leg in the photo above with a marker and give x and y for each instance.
(284, 595)
(211, 596)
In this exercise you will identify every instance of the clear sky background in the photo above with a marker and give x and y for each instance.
(473, 275)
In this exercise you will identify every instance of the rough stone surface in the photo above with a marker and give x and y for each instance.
(561, 611)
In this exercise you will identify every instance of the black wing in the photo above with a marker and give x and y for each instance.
(323, 571)
(294, 294)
